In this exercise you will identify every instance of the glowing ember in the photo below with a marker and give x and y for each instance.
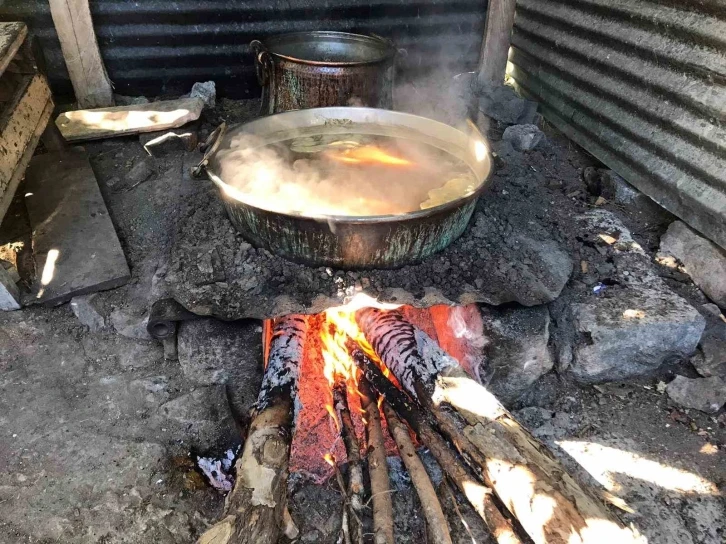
(330, 459)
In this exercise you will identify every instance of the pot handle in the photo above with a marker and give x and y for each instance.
(265, 70)
(263, 62)
(210, 145)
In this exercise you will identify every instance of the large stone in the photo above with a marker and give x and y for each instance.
(711, 357)
(88, 310)
(630, 326)
(207, 91)
(703, 260)
(516, 349)
(631, 332)
(704, 394)
(202, 414)
(501, 103)
(219, 352)
(523, 137)
(130, 325)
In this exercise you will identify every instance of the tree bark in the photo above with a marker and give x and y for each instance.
(551, 507)
(255, 507)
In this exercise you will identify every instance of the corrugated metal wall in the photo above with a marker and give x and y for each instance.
(157, 47)
(642, 86)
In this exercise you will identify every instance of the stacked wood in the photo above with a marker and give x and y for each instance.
(377, 466)
(354, 489)
(478, 495)
(255, 509)
(529, 481)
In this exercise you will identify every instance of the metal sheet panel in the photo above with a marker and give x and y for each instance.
(639, 84)
(158, 47)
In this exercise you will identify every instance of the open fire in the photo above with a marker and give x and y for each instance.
(344, 389)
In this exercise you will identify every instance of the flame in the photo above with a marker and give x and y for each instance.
(330, 459)
(368, 154)
(339, 325)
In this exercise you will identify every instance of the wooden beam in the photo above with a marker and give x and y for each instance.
(72, 19)
(495, 45)
(12, 36)
(20, 132)
(124, 120)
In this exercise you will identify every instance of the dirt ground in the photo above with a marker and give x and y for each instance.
(100, 432)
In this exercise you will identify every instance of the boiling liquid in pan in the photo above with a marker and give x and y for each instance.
(349, 174)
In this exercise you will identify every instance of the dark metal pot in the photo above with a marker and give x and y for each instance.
(385, 241)
(317, 69)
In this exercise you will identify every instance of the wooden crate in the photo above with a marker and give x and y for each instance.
(26, 105)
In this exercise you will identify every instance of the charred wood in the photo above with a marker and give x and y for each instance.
(255, 508)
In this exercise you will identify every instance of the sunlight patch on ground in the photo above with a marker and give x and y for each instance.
(604, 463)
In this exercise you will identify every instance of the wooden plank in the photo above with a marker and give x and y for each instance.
(74, 241)
(12, 36)
(124, 120)
(18, 123)
(72, 19)
(7, 190)
(495, 46)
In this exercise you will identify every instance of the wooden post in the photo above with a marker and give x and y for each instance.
(495, 45)
(72, 19)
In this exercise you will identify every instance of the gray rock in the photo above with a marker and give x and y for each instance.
(703, 260)
(198, 410)
(207, 91)
(501, 103)
(546, 424)
(129, 325)
(711, 358)
(704, 394)
(631, 333)
(211, 350)
(140, 172)
(516, 349)
(523, 137)
(88, 310)
(153, 390)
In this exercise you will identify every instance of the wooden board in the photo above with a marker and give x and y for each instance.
(74, 241)
(21, 129)
(124, 120)
(12, 36)
(72, 19)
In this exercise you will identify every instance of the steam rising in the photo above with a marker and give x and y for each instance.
(350, 174)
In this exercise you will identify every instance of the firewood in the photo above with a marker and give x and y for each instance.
(549, 504)
(478, 495)
(255, 508)
(377, 466)
(355, 486)
(438, 528)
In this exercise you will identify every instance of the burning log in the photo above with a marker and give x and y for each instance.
(255, 507)
(377, 466)
(478, 495)
(352, 450)
(532, 484)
